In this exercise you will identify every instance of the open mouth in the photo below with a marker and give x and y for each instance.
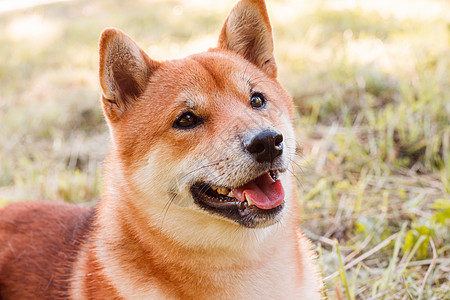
(258, 201)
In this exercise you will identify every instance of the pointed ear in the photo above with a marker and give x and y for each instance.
(124, 72)
(247, 31)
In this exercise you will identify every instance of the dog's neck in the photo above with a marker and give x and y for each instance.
(153, 253)
(180, 246)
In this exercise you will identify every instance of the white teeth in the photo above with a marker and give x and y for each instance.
(248, 200)
(223, 191)
(230, 194)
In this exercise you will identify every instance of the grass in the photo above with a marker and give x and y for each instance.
(371, 82)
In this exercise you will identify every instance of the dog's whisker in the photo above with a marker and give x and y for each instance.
(166, 209)
(200, 168)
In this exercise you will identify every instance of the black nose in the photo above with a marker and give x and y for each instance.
(266, 146)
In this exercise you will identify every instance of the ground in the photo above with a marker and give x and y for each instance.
(371, 84)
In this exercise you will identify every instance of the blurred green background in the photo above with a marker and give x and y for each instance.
(371, 84)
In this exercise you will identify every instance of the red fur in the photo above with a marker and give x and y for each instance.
(39, 242)
(134, 245)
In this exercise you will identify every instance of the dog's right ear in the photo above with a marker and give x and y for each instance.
(124, 72)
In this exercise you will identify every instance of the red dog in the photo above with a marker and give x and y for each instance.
(199, 202)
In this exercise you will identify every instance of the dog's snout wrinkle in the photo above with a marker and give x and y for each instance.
(265, 146)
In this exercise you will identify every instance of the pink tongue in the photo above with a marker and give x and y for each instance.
(263, 192)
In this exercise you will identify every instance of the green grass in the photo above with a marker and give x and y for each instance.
(372, 88)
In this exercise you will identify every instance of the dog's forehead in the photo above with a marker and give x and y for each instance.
(210, 73)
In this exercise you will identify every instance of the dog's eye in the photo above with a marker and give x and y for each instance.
(187, 120)
(258, 100)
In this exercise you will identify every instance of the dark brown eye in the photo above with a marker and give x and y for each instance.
(187, 120)
(258, 100)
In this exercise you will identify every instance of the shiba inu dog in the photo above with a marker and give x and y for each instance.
(199, 199)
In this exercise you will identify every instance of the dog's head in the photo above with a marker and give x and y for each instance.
(209, 134)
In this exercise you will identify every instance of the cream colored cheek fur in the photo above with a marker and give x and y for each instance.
(182, 219)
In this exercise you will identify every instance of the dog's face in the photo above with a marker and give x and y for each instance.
(211, 133)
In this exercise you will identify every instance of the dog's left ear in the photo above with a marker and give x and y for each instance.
(247, 31)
